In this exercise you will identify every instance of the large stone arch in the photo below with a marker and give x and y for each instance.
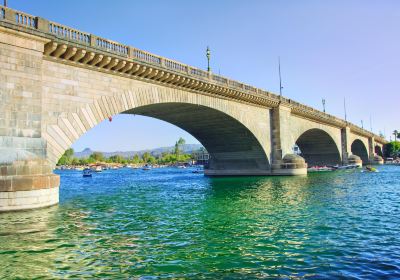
(236, 144)
(318, 148)
(358, 148)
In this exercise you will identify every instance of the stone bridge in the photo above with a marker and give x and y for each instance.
(57, 83)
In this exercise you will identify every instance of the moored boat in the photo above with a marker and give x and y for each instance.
(98, 169)
(320, 169)
(87, 172)
(146, 167)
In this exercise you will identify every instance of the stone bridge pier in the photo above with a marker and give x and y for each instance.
(56, 83)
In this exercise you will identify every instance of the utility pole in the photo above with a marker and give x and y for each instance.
(323, 104)
(280, 77)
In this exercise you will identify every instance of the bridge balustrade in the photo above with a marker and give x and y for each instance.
(220, 79)
(111, 46)
(69, 33)
(25, 19)
(147, 57)
(175, 65)
(198, 72)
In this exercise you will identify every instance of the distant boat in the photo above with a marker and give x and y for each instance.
(320, 169)
(98, 169)
(345, 167)
(198, 171)
(370, 169)
(87, 172)
(146, 167)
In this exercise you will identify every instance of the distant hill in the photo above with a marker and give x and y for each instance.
(186, 148)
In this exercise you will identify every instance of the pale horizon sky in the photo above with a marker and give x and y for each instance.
(328, 49)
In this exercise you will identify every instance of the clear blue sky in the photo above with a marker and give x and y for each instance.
(328, 49)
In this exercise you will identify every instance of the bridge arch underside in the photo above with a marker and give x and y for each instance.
(358, 148)
(378, 150)
(233, 149)
(318, 148)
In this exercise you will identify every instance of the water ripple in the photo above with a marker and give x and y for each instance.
(170, 223)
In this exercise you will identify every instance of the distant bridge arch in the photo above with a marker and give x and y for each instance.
(318, 148)
(378, 150)
(358, 148)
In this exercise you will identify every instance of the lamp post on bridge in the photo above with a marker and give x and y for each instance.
(280, 77)
(208, 54)
(5, 3)
(362, 124)
(323, 104)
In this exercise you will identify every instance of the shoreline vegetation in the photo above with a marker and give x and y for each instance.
(172, 158)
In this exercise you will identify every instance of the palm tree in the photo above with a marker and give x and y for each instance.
(396, 134)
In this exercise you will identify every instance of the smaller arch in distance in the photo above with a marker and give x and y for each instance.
(318, 148)
(378, 150)
(358, 148)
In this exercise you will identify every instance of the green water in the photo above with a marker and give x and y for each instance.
(170, 223)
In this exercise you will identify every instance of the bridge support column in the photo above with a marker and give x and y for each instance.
(346, 145)
(283, 162)
(26, 181)
(26, 178)
(373, 157)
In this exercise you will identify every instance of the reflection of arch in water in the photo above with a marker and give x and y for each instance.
(358, 148)
(318, 148)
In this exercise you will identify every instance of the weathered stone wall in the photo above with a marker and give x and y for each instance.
(26, 179)
(21, 91)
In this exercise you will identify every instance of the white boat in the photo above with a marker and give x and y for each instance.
(349, 166)
(98, 169)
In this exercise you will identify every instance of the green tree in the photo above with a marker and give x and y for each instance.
(83, 161)
(178, 144)
(136, 159)
(146, 157)
(66, 158)
(392, 149)
(96, 157)
(117, 159)
(75, 161)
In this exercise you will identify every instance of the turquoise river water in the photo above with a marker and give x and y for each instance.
(171, 223)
